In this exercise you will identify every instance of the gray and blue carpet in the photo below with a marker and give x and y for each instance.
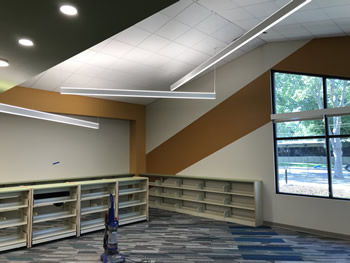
(170, 237)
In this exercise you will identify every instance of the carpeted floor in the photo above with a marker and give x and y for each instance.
(173, 238)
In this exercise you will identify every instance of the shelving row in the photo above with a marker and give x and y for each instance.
(34, 214)
(238, 201)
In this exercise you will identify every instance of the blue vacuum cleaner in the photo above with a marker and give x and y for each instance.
(110, 239)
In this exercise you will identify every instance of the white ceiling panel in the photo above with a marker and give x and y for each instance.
(262, 10)
(154, 43)
(193, 15)
(138, 55)
(172, 50)
(159, 50)
(228, 33)
(192, 57)
(176, 8)
(173, 30)
(132, 36)
(116, 48)
(191, 37)
(153, 23)
(212, 24)
(210, 46)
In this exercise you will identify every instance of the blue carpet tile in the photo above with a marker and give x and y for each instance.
(170, 237)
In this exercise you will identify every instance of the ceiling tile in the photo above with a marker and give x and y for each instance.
(309, 16)
(210, 46)
(153, 23)
(69, 65)
(138, 55)
(132, 36)
(175, 9)
(293, 31)
(84, 56)
(336, 12)
(248, 24)
(112, 75)
(228, 33)
(102, 60)
(76, 80)
(212, 24)
(256, 42)
(262, 10)
(51, 79)
(249, 2)
(172, 50)
(172, 30)
(321, 28)
(344, 24)
(218, 5)
(273, 35)
(193, 15)
(156, 60)
(192, 57)
(191, 37)
(176, 69)
(234, 55)
(328, 3)
(30, 82)
(98, 83)
(89, 70)
(154, 43)
(116, 48)
(235, 14)
(123, 65)
(98, 47)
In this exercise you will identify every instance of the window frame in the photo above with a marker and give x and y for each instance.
(326, 135)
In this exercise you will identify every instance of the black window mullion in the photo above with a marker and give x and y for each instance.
(328, 149)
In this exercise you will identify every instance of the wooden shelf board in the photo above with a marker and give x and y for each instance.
(131, 204)
(93, 209)
(13, 208)
(22, 242)
(131, 191)
(53, 236)
(52, 216)
(92, 228)
(50, 201)
(12, 223)
(87, 197)
(242, 193)
(91, 222)
(132, 219)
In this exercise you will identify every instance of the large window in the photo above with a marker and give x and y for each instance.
(311, 134)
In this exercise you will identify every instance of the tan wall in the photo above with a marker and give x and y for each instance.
(78, 105)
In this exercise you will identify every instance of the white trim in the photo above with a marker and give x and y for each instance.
(310, 115)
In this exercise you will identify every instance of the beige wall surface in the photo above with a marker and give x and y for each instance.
(29, 147)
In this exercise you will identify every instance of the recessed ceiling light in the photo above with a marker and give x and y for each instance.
(4, 63)
(26, 42)
(69, 10)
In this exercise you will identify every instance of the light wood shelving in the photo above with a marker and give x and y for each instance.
(237, 201)
(38, 213)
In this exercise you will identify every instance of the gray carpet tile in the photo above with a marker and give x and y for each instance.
(170, 237)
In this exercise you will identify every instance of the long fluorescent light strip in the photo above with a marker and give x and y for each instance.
(14, 110)
(269, 22)
(137, 93)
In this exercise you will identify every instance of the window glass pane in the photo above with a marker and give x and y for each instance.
(339, 125)
(300, 128)
(294, 92)
(340, 160)
(302, 167)
(338, 93)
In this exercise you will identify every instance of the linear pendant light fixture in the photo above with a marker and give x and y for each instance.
(137, 93)
(269, 22)
(14, 110)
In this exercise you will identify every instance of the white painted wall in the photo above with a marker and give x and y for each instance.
(167, 117)
(29, 147)
(251, 157)
(248, 158)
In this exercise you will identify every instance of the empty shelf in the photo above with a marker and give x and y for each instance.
(11, 242)
(131, 217)
(131, 191)
(13, 207)
(131, 203)
(242, 193)
(94, 209)
(12, 222)
(53, 216)
(91, 196)
(51, 201)
(92, 225)
(52, 233)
